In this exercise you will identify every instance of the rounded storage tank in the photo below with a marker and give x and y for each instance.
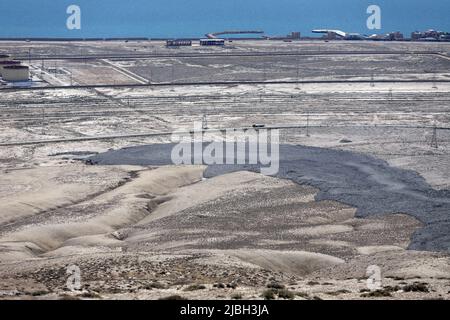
(16, 73)
(6, 63)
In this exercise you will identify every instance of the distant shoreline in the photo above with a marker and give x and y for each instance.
(51, 39)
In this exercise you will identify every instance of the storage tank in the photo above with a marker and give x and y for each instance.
(16, 73)
(7, 63)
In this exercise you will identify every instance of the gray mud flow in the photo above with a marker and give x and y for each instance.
(364, 182)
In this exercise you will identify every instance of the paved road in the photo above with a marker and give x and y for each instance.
(162, 134)
(218, 54)
(218, 83)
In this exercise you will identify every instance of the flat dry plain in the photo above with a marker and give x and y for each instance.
(157, 232)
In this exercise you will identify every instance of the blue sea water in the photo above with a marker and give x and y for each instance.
(194, 18)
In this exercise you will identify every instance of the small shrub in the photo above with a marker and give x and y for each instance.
(377, 294)
(269, 294)
(275, 285)
(173, 297)
(416, 287)
(236, 296)
(312, 283)
(39, 293)
(232, 285)
(154, 285)
(92, 295)
(286, 294)
(302, 294)
(194, 287)
(338, 292)
(68, 297)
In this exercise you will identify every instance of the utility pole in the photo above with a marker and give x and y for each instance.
(43, 121)
(372, 81)
(307, 123)
(434, 142)
(264, 72)
(173, 74)
(434, 83)
(204, 122)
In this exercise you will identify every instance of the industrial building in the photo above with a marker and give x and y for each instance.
(294, 35)
(16, 73)
(395, 36)
(6, 63)
(212, 42)
(178, 43)
(430, 35)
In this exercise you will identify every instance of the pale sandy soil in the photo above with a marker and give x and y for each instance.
(151, 233)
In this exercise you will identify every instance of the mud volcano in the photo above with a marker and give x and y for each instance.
(361, 181)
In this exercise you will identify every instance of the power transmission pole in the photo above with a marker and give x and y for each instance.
(204, 122)
(434, 83)
(307, 123)
(434, 142)
(264, 72)
(372, 81)
(173, 74)
(43, 121)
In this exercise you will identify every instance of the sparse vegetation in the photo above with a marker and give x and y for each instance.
(92, 295)
(269, 294)
(236, 296)
(275, 285)
(416, 287)
(173, 297)
(338, 292)
(68, 297)
(155, 285)
(194, 287)
(273, 293)
(286, 294)
(377, 294)
(39, 293)
(302, 294)
(232, 285)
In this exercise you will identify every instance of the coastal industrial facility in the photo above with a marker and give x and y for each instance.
(16, 73)
(12, 70)
(188, 43)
